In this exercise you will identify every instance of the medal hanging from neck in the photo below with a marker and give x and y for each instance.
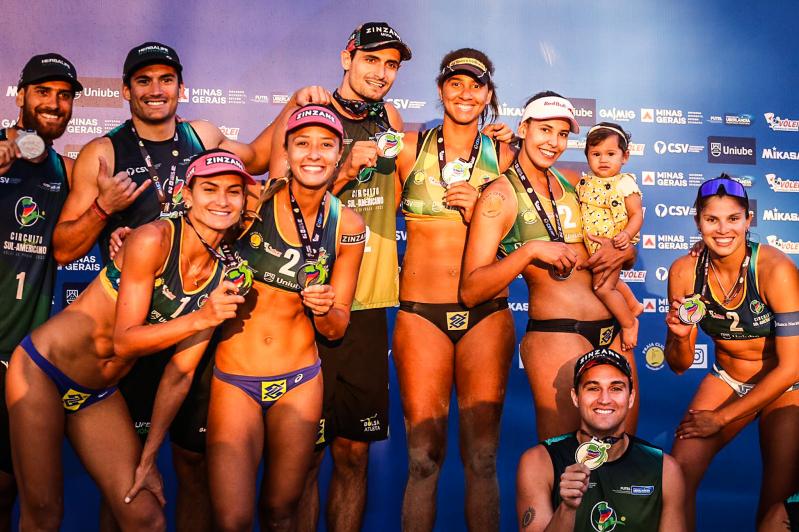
(389, 140)
(594, 452)
(555, 233)
(162, 190)
(236, 270)
(314, 270)
(458, 170)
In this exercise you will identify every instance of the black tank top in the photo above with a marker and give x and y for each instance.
(127, 157)
(31, 197)
(626, 491)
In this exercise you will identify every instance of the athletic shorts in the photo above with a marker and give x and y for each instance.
(355, 373)
(140, 385)
(5, 433)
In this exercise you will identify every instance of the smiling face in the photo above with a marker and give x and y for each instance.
(543, 141)
(313, 153)
(153, 93)
(723, 223)
(606, 158)
(464, 98)
(369, 74)
(603, 397)
(46, 107)
(216, 201)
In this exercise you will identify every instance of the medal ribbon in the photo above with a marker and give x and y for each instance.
(310, 245)
(225, 254)
(375, 111)
(169, 184)
(555, 236)
(738, 284)
(610, 440)
(442, 158)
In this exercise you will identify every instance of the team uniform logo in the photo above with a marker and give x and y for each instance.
(271, 391)
(73, 399)
(320, 435)
(27, 212)
(457, 321)
(603, 517)
(605, 335)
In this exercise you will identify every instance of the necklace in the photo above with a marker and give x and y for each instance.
(732, 293)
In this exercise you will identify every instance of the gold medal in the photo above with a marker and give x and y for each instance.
(592, 453)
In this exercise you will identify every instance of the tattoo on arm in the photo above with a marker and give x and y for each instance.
(493, 204)
(528, 516)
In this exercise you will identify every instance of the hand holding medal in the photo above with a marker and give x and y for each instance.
(31, 145)
(692, 310)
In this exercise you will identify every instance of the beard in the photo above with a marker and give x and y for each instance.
(31, 119)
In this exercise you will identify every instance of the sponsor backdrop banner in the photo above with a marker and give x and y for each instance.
(704, 87)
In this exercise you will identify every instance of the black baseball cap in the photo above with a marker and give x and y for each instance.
(598, 357)
(377, 35)
(150, 53)
(48, 67)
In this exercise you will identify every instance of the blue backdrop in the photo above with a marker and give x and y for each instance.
(704, 87)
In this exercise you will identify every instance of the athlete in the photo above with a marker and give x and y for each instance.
(35, 181)
(753, 318)
(62, 379)
(781, 517)
(355, 367)
(600, 477)
(439, 342)
(532, 215)
(305, 249)
(131, 176)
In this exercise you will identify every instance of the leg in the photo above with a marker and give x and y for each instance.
(36, 420)
(779, 432)
(308, 513)
(424, 358)
(635, 306)
(8, 486)
(617, 305)
(346, 497)
(235, 442)
(695, 454)
(775, 520)
(482, 362)
(193, 506)
(104, 440)
(631, 423)
(292, 424)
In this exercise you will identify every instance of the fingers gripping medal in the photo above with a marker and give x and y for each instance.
(30, 144)
(692, 310)
(313, 272)
(592, 453)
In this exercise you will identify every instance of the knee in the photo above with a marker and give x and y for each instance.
(424, 462)
(481, 461)
(151, 518)
(278, 515)
(352, 456)
(41, 514)
(232, 521)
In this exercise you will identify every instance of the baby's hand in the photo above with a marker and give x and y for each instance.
(622, 240)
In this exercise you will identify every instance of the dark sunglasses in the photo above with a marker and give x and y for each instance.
(731, 188)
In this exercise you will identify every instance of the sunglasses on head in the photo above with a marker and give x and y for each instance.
(731, 188)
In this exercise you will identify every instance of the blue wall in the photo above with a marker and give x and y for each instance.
(699, 69)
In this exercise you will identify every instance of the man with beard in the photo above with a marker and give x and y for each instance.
(562, 483)
(34, 181)
(355, 368)
(132, 176)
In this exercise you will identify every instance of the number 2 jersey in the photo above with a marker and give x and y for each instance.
(31, 197)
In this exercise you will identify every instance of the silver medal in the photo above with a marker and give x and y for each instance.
(30, 144)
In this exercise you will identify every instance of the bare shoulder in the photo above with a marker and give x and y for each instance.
(97, 147)
(682, 266)
(209, 134)
(770, 257)
(394, 117)
(351, 222)
(671, 468)
(535, 460)
(506, 155)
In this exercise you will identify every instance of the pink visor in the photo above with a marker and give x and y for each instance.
(315, 115)
(216, 162)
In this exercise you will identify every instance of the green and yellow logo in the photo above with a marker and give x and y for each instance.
(27, 212)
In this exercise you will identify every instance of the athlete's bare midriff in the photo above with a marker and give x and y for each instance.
(571, 298)
(271, 335)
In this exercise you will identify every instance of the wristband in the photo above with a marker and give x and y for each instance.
(99, 211)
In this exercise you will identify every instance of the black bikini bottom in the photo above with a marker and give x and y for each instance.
(454, 319)
(600, 332)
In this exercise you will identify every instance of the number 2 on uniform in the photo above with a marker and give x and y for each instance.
(735, 320)
(20, 284)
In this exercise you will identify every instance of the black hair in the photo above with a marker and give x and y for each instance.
(602, 132)
(491, 111)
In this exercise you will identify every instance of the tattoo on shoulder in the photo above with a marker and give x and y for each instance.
(493, 204)
(528, 516)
